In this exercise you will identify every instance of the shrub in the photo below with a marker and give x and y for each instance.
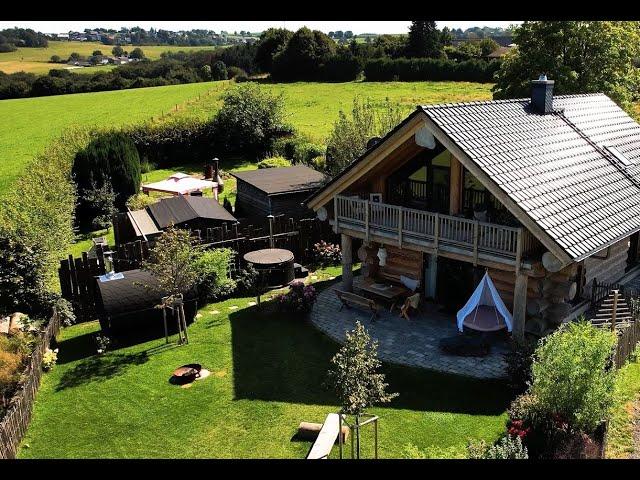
(247, 280)
(98, 205)
(111, 157)
(326, 254)
(212, 266)
(7, 47)
(103, 342)
(304, 153)
(299, 299)
(507, 448)
(140, 201)
(49, 359)
(55, 59)
(274, 162)
(319, 163)
(418, 69)
(572, 379)
(64, 308)
(519, 359)
(14, 351)
(235, 72)
(146, 166)
(219, 71)
(250, 120)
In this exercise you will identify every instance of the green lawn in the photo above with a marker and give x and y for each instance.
(267, 370)
(34, 122)
(36, 60)
(627, 392)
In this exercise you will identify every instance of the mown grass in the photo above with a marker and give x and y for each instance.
(267, 371)
(31, 123)
(627, 395)
(35, 60)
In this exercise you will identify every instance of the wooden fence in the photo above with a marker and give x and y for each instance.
(14, 423)
(77, 275)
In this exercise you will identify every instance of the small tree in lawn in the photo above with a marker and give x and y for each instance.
(172, 262)
(355, 379)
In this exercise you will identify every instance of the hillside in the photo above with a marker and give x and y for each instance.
(36, 60)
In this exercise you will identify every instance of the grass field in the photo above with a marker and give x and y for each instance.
(621, 425)
(313, 107)
(310, 107)
(35, 60)
(267, 370)
(33, 122)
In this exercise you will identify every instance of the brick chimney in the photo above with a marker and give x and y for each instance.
(542, 95)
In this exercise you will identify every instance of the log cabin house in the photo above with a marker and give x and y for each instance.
(542, 192)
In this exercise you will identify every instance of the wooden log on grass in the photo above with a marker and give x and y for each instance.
(309, 431)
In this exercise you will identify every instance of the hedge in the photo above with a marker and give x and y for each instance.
(416, 69)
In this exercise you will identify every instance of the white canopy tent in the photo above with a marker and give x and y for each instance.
(485, 310)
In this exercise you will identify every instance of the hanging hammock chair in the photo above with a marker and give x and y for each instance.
(485, 311)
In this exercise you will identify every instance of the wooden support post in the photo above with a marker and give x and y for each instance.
(519, 250)
(436, 232)
(400, 226)
(433, 275)
(475, 243)
(271, 219)
(366, 220)
(455, 186)
(335, 215)
(519, 306)
(347, 273)
(614, 310)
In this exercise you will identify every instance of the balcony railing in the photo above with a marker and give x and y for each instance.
(406, 225)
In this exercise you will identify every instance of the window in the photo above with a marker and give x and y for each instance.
(624, 161)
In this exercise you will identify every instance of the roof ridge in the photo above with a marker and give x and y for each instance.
(502, 100)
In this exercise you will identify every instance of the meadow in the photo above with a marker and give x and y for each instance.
(33, 122)
(312, 108)
(35, 60)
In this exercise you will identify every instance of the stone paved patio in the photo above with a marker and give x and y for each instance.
(413, 343)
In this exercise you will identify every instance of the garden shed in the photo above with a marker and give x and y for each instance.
(276, 191)
(186, 212)
(128, 301)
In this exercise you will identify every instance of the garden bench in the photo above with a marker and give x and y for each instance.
(321, 448)
(349, 299)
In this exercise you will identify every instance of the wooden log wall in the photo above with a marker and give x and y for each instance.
(606, 270)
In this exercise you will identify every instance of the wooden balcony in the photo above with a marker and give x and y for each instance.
(434, 231)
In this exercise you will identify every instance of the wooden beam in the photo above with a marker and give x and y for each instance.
(455, 187)
(519, 307)
(347, 272)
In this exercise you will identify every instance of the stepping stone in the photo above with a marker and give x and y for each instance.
(233, 307)
(199, 315)
(251, 304)
(332, 278)
(214, 312)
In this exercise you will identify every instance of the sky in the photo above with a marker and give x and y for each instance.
(59, 26)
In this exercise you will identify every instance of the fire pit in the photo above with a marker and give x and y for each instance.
(186, 373)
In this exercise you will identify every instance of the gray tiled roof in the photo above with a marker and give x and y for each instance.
(552, 166)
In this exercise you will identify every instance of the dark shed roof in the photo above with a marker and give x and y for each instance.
(129, 294)
(298, 178)
(181, 209)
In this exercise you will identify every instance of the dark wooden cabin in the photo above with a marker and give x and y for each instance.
(276, 191)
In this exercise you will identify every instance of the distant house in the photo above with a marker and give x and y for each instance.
(188, 212)
(275, 191)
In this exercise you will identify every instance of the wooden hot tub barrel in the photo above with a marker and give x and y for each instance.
(277, 262)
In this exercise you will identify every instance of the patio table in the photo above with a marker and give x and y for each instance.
(389, 292)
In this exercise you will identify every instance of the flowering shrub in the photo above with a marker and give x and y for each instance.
(326, 254)
(507, 448)
(299, 298)
(49, 359)
(102, 343)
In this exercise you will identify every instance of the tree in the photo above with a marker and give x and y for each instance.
(205, 72)
(137, 53)
(303, 56)
(55, 59)
(219, 71)
(355, 378)
(97, 53)
(250, 120)
(100, 201)
(446, 37)
(173, 264)
(580, 56)
(75, 57)
(487, 46)
(349, 137)
(272, 41)
(424, 40)
(117, 51)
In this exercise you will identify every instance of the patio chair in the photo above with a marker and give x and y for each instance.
(412, 302)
